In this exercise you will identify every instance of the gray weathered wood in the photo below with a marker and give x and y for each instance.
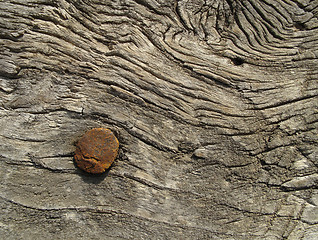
(214, 104)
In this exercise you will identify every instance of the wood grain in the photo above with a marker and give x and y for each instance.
(214, 104)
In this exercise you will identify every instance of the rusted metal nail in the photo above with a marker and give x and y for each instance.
(96, 150)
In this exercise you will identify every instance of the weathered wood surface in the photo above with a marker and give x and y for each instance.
(214, 104)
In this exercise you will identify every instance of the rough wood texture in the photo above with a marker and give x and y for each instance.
(214, 103)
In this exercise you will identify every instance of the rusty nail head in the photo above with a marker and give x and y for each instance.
(96, 150)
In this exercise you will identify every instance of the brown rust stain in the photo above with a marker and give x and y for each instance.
(96, 150)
